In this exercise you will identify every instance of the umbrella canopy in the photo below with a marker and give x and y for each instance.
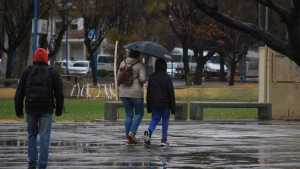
(150, 48)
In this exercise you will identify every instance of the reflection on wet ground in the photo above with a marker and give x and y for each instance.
(192, 145)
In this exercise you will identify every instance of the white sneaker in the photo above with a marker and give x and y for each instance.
(131, 138)
(164, 144)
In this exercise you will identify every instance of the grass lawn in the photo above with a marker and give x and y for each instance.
(90, 110)
(82, 110)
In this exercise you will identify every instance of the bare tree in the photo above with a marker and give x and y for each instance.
(51, 11)
(236, 45)
(205, 36)
(290, 17)
(196, 31)
(98, 20)
(181, 15)
(17, 17)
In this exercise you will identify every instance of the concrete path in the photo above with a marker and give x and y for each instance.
(192, 145)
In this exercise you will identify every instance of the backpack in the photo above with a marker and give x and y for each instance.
(126, 75)
(39, 88)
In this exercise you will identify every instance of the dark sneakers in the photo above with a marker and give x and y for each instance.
(31, 165)
(147, 137)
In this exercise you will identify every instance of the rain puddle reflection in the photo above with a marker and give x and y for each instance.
(89, 146)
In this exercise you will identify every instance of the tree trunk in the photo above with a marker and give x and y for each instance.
(232, 73)
(199, 73)
(242, 68)
(200, 66)
(186, 64)
(93, 63)
(22, 55)
(11, 56)
(222, 69)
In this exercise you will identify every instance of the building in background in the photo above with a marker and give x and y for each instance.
(76, 47)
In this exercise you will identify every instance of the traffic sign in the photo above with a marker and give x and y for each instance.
(92, 34)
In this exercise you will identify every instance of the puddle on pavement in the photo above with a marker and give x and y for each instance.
(205, 149)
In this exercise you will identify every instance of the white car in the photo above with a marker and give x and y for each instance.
(105, 62)
(212, 68)
(79, 67)
(171, 69)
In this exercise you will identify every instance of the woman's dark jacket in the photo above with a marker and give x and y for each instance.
(55, 87)
(160, 92)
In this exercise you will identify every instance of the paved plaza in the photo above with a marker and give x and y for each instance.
(206, 145)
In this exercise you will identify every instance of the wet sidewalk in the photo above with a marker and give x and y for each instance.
(192, 145)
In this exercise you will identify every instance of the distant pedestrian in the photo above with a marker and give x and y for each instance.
(131, 78)
(160, 101)
(42, 88)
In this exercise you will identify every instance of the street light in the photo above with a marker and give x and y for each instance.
(67, 5)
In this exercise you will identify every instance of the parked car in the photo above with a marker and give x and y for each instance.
(212, 67)
(79, 67)
(171, 69)
(105, 62)
(61, 65)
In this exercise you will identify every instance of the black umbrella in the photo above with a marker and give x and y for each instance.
(150, 48)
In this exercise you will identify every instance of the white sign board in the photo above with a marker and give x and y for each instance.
(42, 26)
(80, 24)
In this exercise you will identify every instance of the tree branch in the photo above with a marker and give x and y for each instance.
(254, 31)
(173, 27)
(296, 4)
(58, 40)
(282, 12)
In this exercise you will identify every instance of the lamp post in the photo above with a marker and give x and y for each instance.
(266, 19)
(67, 5)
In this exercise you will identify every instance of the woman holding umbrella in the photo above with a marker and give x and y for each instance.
(160, 92)
(131, 78)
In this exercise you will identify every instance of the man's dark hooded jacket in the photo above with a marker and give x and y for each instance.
(56, 98)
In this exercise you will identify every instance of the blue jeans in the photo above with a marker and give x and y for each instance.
(134, 109)
(157, 114)
(39, 125)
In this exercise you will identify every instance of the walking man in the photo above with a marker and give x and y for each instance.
(42, 88)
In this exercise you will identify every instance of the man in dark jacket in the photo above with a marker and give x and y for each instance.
(42, 88)
(160, 100)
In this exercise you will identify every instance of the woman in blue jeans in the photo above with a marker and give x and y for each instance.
(160, 101)
(131, 92)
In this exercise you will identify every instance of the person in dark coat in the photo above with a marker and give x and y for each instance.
(160, 100)
(42, 89)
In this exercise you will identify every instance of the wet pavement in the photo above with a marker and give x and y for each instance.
(192, 145)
